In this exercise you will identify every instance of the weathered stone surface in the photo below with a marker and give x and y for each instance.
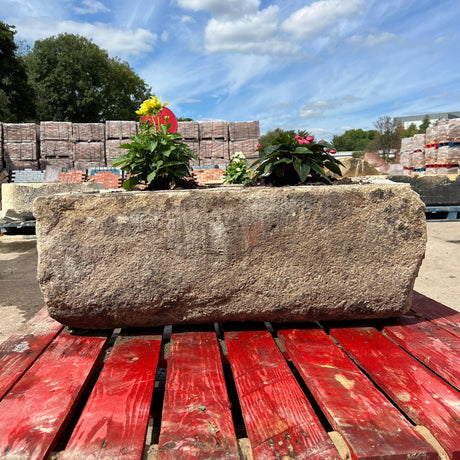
(440, 190)
(229, 254)
(18, 199)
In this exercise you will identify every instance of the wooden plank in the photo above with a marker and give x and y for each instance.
(423, 396)
(114, 421)
(433, 345)
(279, 419)
(36, 409)
(439, 314)
(19, 351)
(196, 421)
(371, 426)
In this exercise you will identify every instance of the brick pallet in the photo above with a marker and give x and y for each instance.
(388, 388)
(20, 147)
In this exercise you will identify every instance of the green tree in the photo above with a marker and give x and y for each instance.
(354, 140)
(388, 136)
(426, 122)
(279, 133)
(16, 95)
(77, 81)
(410, 131)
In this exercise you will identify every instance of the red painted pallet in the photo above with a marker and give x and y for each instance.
(422, 395)
(279, 418)
(293, 391)
(369, 423)
(197, 421)
(437, 313)
(34, 412)
(20, 350)
(114, 421)
(436, 347)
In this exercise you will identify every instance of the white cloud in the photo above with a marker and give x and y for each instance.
(316, 18)
(222, 8)
(254, 33)
(371, 40)
(186, 19)
(91, 7)
(317, 109)
(120, 42)
(164, 36)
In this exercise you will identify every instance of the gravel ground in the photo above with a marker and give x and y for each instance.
(20, 296)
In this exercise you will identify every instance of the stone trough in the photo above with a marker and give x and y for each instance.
(127, 259)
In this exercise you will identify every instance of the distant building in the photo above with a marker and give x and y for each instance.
(417, 120)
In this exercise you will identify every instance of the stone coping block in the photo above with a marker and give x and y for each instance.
(127, 259)
(443, 190)
(18, 199)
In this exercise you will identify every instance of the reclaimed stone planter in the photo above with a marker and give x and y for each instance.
(18, 199)
(125, 259)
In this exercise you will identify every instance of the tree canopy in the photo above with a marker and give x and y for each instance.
(278, 133)
(354, 140)
(75, 80)
(16, 96)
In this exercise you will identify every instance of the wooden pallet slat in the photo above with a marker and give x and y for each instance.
(114, 421)
(434, 346)
(279, 419)
(422, 395)
(36, 409)
(437, 313)
(370, 425)
(196, 420)
(19, 352)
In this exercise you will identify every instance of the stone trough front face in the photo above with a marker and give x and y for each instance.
(128, 259)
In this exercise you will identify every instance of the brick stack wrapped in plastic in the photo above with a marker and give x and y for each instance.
(20, 146)
(407, 154)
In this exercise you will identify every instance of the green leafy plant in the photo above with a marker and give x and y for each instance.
(237, 171)
(292, 159)
(155, 157)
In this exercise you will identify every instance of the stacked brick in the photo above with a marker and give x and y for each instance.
(82, 146)
(190, 135)
(244, 137)
(72, 176)
(110, 177)
(206, 175)
(436, 152)
(20, 146)
(418, 154)
(118, 133)
(407, 155)
(56, 144)
(214, 144)
(89, 145)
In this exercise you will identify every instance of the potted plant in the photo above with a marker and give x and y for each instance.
(284, 253)
(155, 157)
(295, 160)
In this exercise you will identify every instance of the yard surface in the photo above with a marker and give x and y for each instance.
(20, 296)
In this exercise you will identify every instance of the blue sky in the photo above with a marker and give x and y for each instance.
(321, 65)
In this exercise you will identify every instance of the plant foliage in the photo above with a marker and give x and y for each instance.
(155, 157)
(237, 171)
(291, 159)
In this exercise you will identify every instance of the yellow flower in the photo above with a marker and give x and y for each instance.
(151, 106)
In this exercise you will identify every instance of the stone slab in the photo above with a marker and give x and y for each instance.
(18, 199)
(125, 259)
(442, 190)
